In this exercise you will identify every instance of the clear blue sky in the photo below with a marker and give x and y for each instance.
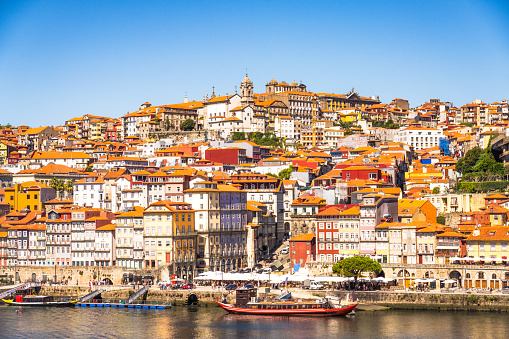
(61, 59)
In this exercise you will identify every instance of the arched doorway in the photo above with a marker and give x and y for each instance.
(34, 277)
(404, 278)
(190, 275)
(223, 263)
(455, 275)
(481, 280)
(228, 265)
(494, 281)
(381, 274)
(239, 263)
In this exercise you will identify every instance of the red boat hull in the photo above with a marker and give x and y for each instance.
(321, 312)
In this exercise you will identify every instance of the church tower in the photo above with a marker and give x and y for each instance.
(246, 92)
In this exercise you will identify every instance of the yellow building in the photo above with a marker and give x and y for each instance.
(29, 194)
(486, 244)
(498, 215)
(97, 130)
(3, 153)
(170, 237)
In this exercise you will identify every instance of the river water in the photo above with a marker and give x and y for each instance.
(212, 322)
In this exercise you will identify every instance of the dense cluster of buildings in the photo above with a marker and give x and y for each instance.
(347, 176)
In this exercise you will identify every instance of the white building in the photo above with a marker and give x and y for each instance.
(105, 245)
(69, 159)
(419, 137)
(89, 191)
(284, 127)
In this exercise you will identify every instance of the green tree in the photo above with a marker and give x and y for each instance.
(188, 125)
(441, 220)
(285, 174)
(272, 175)
(467, 163)
(57, 185)
(436, 190)
(53, 183)
(239, 136)
(355, 266)
(69, 187)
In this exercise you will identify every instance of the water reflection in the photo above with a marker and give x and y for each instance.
(213, 322)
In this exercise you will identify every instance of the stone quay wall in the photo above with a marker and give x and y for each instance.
(78, 275)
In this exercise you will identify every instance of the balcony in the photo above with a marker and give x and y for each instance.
(368, 238)
(185, 234)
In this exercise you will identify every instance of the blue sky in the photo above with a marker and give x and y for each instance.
(61, 59)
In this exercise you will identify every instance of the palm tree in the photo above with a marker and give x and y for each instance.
(69, 186)
(53, 183)
(60, 187)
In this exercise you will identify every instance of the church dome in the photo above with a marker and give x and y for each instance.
(294, 83)
(247, 80)
(273, 82)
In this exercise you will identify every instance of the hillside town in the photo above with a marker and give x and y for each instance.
(286, 175)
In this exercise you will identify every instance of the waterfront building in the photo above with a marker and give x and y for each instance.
(267, 190)
(58, 238)
(221, 225)
(337, 233)
(302, 249)
(4, 252)
(104, 245)
(129, 239)
(170, 237)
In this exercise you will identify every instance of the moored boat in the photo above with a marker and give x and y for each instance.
(38, 300)
(247, 303)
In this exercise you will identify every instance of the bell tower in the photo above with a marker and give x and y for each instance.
(246, 91)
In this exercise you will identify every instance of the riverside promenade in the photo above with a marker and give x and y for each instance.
(459, 300)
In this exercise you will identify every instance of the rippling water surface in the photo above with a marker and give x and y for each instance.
(212, 322)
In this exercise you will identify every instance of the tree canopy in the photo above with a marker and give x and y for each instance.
(355, 266)
(267, 139)
(285, 174)
(239, 136)
(188, 125)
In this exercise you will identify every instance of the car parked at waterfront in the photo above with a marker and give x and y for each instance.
(231, 287)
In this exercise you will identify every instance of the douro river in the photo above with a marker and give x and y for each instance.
(212, 322)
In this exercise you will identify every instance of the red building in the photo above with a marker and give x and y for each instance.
(111, 134)
(228, 155)
(303, 249)
(495, 199)
(365, 173)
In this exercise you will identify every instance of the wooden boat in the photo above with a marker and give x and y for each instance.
(321, 307)
(37, 300)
